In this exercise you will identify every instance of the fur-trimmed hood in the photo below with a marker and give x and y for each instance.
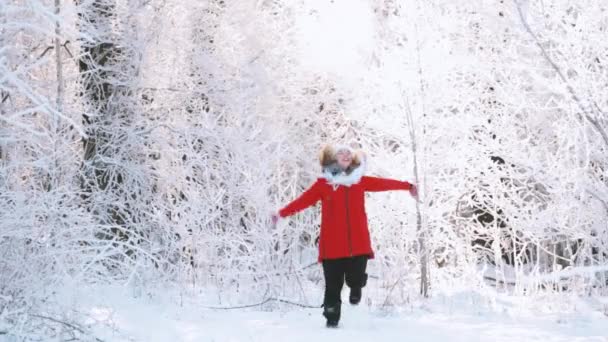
(332, 172)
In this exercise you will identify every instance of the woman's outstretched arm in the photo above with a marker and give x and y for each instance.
(308, 198)
(384, 184)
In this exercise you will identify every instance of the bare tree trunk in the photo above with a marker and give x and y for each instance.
(98, 69)
(59, 67)
(3, 95)
(420, 230)
(53, 181)
(96, 82)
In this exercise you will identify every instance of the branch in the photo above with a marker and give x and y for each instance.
(597, 197)
(271, 299)
(559, 72)
(390, 291)
(69, 325)
(39, 100)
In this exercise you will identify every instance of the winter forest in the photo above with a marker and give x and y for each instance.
(144, 145)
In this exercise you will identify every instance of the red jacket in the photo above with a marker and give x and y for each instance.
(344, 231)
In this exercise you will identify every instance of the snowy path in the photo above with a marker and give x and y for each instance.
(359, 325)
(152, 322)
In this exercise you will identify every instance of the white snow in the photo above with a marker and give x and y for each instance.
(216, 114)
(119, 316)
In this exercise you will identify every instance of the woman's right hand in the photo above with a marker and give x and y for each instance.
(275, 218)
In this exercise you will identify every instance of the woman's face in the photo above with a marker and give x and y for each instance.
(344, 158)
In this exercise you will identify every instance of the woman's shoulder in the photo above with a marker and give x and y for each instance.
(322, 184)
(321, 181)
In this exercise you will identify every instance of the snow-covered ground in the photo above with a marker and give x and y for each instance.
(359, 324)
(114, 314)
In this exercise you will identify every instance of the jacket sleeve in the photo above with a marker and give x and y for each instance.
(305, 200)
(383, 184)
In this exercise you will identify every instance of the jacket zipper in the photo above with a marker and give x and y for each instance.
(348, 229)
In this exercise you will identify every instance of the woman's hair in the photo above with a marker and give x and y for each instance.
(327, 156)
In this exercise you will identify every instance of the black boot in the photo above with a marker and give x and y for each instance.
(332, 313)
(355, 295)
(356, 278)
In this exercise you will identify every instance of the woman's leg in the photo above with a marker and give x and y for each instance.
(356, 278)
(333, 271)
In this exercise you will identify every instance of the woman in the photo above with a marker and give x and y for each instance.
(344, 244)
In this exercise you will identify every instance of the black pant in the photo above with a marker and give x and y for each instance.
(337, 270)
